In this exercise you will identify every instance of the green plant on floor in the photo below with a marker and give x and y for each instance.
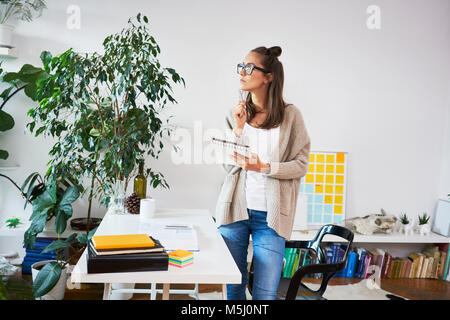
(25, 10)
(52, 198)
(116, 100)
(404, 218)
(13, 223)
(423, 219)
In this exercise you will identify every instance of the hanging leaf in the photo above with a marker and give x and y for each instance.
(46, 279)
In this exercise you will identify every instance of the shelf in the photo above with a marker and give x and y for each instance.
(9, 52)
(375, 238)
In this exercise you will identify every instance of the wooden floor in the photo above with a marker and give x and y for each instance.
(415, 289)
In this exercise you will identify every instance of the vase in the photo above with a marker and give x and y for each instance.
(117, 198)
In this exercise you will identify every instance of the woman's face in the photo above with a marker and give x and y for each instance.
(257, 79)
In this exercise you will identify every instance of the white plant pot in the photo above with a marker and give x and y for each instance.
(6, 35)
(407, 229)
(58, 291)
(121, 295)
(424, 229)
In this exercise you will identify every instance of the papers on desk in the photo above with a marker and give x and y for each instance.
(171, 236)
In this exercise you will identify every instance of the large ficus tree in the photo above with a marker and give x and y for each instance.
(104, 109)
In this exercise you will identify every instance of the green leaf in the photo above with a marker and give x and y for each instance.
(61, 221)
(46, 279)
(6, 121)
(70, 195)
(57, 244)
(46, 58)
(94, 132)
(4, 154)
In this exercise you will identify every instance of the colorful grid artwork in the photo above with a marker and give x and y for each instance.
(325, 188)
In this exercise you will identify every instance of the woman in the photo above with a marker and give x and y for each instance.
(259, 194)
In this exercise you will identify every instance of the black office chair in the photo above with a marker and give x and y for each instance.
(293, 288)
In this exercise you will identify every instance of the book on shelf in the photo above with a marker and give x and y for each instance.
(432, 262)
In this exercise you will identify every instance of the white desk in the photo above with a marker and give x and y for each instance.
(213, 262)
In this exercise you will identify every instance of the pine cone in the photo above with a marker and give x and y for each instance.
(133, 203)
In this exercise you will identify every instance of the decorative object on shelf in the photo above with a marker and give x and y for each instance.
(25, 10)
(117, 96)
(406, 224)
(424, 227)
(372, 223)
(441, 224)
(13, 223)
(133, 203)
(140, 182)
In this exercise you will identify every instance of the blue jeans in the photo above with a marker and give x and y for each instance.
(268, 252)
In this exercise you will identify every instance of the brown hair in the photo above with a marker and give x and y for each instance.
(275, 104)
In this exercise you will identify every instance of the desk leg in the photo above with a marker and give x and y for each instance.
(224, 291)
(106, 291)
(166, 288)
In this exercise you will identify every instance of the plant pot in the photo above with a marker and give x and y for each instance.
(81, 223)
(6, 33)
(58, 291)
(424, 229)
(407, 228)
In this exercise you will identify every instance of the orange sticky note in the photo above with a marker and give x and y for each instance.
(340, 157)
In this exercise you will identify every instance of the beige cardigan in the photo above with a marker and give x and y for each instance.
(289, 163)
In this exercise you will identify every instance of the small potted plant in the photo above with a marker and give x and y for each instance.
(424, 227)
(25, 10)
(406, 224)
(13, 223)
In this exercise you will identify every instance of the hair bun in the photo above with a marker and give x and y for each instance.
(274, 51)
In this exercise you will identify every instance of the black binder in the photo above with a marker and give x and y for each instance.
(132, 262)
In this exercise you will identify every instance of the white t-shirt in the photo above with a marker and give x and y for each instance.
(262, 142)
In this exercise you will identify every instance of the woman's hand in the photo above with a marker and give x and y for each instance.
(240, 117)
(250, 164)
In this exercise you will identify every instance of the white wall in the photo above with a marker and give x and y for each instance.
(380, 95)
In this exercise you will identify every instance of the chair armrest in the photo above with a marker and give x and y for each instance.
(323, 268)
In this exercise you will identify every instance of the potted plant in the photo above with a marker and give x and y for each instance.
(406, 224)
(54, 201)
(25, 10)
(423, 227)
(116, 100)
(13, 223)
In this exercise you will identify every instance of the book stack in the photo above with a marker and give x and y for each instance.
(126, 253)
(181, 258)
(33, 255)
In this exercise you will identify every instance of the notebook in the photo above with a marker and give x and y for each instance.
(123, 241)
(225, 148)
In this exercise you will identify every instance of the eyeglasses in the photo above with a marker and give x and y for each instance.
(248, 68)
